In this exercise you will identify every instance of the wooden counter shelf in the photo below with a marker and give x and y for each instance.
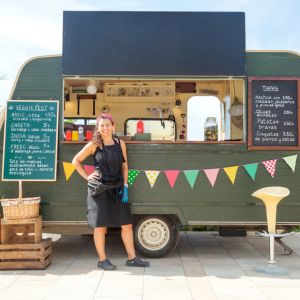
(166, 142)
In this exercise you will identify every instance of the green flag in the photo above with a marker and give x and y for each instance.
(191, 176)
(291, 161)
(251, 170)
(132, 176)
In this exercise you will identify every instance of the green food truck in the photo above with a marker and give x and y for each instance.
(206, 123)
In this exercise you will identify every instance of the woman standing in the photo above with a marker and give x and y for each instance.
(110, 208)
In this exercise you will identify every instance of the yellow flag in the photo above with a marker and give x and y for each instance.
(69, 169)
(231, 173)
(152, 176)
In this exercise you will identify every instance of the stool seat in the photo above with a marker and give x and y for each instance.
(271, 196)
(272, 191)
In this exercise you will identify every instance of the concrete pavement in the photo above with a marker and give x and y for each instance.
(204, 266)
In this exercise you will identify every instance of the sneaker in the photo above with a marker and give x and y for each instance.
(137, 262)
(106, 265)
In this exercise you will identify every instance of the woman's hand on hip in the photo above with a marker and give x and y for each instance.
(94, 176)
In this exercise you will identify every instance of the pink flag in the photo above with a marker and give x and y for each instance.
(211, 175)
(89, 169)
(270, 165)
(172, 176)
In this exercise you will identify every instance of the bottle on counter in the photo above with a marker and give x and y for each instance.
(80, 133)
(88, 135)
(68, 135)
(75, 135)
(211, 129)
(140, 127)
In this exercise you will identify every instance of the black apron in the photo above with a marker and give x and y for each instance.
(107, 209)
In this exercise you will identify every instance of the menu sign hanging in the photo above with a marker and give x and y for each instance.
(273, 113)
(30, 141)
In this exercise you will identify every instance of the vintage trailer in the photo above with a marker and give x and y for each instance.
(199, 178)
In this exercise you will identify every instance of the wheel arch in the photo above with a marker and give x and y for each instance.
(173, 217)
(176, 213)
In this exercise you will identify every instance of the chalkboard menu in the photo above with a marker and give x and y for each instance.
(273, 113)
(30, 141)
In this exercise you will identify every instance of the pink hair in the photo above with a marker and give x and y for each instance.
(104, 116)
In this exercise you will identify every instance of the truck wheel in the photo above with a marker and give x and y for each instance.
(155, 236)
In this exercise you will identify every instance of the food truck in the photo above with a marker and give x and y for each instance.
(206, 123)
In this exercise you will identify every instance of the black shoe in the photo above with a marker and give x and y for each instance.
(106, 265)
(137, 262)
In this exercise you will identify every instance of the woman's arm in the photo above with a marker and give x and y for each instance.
(80, 157)
(125, 164)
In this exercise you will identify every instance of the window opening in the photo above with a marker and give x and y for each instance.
(199, 109)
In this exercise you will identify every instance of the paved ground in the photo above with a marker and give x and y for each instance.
(204, 266)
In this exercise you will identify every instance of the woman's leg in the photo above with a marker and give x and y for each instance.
(127, 237)
(99, 239)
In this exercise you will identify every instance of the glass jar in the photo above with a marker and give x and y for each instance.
(80, 133)
(211, 129)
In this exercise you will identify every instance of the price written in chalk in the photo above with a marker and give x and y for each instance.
(274, 113)
(31, 140)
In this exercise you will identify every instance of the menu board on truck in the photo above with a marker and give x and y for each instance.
(273, 113)
(30, 142)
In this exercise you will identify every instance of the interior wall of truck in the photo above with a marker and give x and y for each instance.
(170, 110)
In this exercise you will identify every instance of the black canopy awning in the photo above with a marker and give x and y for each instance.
(154, 43)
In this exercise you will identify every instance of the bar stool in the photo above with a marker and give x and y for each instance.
(271, 196)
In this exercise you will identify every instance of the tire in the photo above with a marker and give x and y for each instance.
(155, 236)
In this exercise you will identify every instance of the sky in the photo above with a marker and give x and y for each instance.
(30, 28)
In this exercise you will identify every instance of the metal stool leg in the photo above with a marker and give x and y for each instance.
(286, 249)
(272, 261)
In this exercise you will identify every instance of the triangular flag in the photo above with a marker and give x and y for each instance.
(231, 172)
(211, 175)
(270, 165)
(69, 169)
(251, 170)
(132, 175)
(172, 176)
(191, 176)
(89, 169)
(152, 176)
(291, 161)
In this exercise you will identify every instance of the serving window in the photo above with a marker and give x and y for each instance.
(206, 110)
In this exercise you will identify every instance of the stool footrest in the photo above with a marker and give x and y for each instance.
(277, 237)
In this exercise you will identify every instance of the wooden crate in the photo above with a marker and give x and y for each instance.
(26, 256)
(21, 230)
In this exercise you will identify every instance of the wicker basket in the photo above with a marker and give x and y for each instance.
(23, 208)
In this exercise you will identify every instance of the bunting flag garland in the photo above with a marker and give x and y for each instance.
(270, 165)
(68, 169)
(231, 172)
(89, 169)
(211, 175)
(191, 176)
(132, 174)
(291, 161)
(172, 176)
(152, 176)
(251, 170)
